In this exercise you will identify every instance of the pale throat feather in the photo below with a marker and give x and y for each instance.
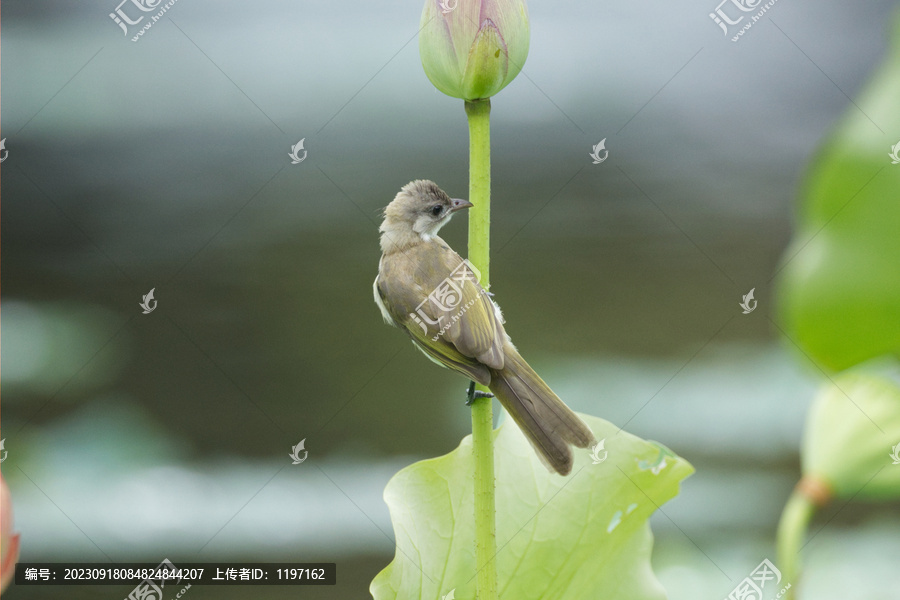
(397, 235)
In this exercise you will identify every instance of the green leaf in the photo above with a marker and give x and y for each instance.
(840, 292)
(580, 537)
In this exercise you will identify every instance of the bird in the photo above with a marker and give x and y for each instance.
(426, 289)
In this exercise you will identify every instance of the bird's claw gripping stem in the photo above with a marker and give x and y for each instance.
(472, 394)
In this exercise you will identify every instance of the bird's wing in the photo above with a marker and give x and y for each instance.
(468, 318)
(446, 354)
(432, 293)
(475, 327)
(438, 350)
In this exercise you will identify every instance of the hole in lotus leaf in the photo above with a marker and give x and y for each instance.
(617, 518)
(659, 463)
(614, 522)
(497, 53)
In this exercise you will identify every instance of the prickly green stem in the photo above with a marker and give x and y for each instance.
(478, 113)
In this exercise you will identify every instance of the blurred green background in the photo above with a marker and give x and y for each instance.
(164, 164)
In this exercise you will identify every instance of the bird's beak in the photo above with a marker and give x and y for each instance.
(459, 204)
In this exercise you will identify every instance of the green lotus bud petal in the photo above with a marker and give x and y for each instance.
(476, 48)
(487, 65)
(852, 439)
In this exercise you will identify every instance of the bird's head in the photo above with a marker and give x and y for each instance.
(422, 208)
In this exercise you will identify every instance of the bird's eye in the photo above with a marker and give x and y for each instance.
(437, 210)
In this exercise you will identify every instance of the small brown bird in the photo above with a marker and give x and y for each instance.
(428, 290)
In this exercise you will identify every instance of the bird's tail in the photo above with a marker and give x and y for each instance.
(546, 421)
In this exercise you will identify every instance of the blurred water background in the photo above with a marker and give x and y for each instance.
(164, 164)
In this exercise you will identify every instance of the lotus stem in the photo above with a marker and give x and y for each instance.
(799, 510)
(479, 113)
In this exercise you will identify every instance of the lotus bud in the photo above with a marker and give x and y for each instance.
(851, 447)
(472, 49)
(840, 286)
(9, 543)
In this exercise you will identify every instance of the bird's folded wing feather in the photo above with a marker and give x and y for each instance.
(457, 322)
(477, 332)
(447, 355)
